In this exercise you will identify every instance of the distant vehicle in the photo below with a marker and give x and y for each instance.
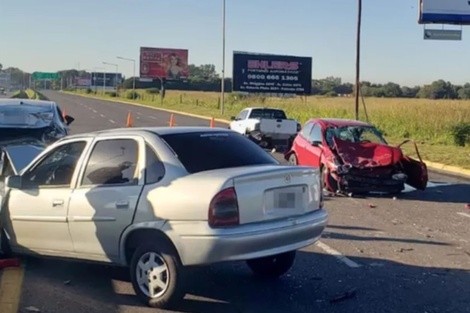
(141, 198)
(265, 126)
(354, 157)
(24, 120)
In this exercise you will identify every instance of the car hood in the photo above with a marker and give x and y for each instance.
(366, 155)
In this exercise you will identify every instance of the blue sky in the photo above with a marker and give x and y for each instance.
(51, 35)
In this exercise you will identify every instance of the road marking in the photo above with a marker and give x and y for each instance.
(463, 214)
(94, 111)
(139, 113)
(102, 115)
(112, 121)
(10, 289)
(153, 117)
(337, 255)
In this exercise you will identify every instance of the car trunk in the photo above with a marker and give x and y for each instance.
(274, 192)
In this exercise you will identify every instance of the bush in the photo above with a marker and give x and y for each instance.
(461, 133)
(88, 91)
(132, 95)
(111, 94)
(153, 91)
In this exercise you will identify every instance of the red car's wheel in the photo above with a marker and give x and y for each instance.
(293, 159)
(328, 182)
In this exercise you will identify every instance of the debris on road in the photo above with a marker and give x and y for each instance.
(32, 309)
(372, 206)
(344, 296)
(67, 282)
(405, 249)
(467, 206)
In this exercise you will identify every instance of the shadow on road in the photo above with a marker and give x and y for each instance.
(312, 286)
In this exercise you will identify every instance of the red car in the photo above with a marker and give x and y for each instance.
(355, 158)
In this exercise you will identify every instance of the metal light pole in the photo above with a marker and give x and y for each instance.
(222, 96)
(104, 78)
(133, 78)
(358, 56)
(114, 64)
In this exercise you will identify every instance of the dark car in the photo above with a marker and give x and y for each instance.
(355, 158)
(23, 120)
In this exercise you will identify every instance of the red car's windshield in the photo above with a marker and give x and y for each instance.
(356, 134)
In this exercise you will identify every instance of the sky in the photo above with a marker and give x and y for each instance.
(52, 35)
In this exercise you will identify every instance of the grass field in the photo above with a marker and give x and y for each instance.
(428, 122)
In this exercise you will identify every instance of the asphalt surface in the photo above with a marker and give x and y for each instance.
(379, 254)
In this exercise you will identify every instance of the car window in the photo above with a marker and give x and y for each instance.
(215, 150)
(57, 168)
(112, 161)
(316, 134)
(305, 132)
(242, 115)
(268, 114)
(154, 168)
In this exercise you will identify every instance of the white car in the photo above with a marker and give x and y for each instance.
(160, 199)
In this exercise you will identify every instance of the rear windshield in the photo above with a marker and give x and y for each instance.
(268, 114)
(215, 150)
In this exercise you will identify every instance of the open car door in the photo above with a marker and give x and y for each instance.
(416, 170)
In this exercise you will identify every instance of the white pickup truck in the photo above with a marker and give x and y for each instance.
(265, 125)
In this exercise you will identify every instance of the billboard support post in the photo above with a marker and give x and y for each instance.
(222, 85)
(358, 58)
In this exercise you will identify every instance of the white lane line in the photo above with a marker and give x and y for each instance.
(337, 255)
(153, 117)
(463, 214)
(139, 113)
(112, 121)
(94, 111)
(102, 115)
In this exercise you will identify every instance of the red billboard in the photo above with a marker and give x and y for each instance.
(163, 63)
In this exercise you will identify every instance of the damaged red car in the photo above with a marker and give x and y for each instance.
(354, 158)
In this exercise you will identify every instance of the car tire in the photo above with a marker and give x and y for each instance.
(5, 249)
(272, 266)
(293, 159)
(167, 275)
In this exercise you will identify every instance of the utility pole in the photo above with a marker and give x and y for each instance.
(222, 91)
(358, 57)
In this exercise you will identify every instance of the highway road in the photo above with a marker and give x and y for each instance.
(379, 254)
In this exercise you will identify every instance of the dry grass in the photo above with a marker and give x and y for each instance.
(426, 121)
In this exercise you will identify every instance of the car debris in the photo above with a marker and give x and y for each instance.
(354, 158)
(344, 296)
(266, 127)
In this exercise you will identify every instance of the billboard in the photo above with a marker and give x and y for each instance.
(442, 34)
(163, 63)
(97, 79)
(272, 74)
(444, 12)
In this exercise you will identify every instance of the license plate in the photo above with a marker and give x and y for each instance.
(285, 200)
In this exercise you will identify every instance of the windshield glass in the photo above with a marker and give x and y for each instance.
(357, 134)
(268, 113)
(215, 150)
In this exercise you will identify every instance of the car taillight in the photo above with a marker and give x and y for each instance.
(223, 209)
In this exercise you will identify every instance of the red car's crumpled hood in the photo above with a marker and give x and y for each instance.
(367, 154)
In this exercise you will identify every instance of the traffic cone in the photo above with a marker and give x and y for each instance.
(9, 263)
(129, 120)
(172, 120)
(212, 124)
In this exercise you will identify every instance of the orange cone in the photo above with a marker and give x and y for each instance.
(212, 124)
(129, 120)
(172, 120)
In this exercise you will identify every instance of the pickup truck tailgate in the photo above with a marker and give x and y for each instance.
(279, 126)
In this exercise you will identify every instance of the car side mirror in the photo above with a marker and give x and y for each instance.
(316, 143)
(14, 182)
(233, 118)
(69, 120)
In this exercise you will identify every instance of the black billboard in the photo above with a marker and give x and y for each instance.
(274, 74)
(97, 79)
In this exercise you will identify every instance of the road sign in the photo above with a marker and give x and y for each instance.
(442, 34)
(43, 75)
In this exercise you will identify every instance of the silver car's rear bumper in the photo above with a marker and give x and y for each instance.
(198, 244)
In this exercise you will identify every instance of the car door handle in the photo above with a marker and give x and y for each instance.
(124, 204)
(56, 203)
